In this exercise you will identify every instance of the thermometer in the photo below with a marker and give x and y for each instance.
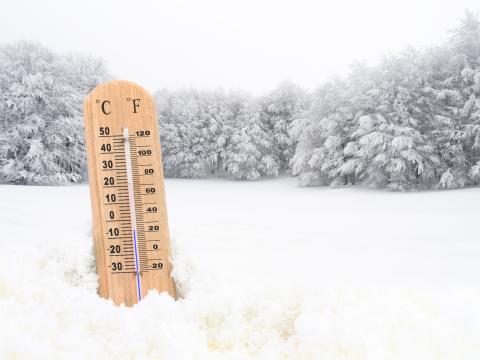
(130, 227)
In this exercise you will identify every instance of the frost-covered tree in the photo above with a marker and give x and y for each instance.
(41, 129)
(410, 122)
(371, 131)
(320, 152)
(195, 127)
(465, 38)
(393, 156)
(408, 157)
(249, 154)
(457, 133)
(469, 135)
(321, 137)
(321, 156)
(279, 109)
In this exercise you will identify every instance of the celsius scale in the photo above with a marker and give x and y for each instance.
(130, 228)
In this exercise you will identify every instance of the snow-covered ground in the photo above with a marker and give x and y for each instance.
(266, 270)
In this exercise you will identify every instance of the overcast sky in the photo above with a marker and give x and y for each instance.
(248, 44)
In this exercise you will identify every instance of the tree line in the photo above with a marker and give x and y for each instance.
(412, 121)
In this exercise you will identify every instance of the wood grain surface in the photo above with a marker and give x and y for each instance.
(122, 271)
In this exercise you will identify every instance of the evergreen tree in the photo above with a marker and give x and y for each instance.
(393, 156)
(322, 136)
(279, 109)
(465, 38)
(471, 116)
(195, 128)
(41, 128)
(249, 155)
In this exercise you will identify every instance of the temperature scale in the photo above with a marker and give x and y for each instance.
(130, 228)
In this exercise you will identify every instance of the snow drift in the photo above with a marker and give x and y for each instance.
(266, 271)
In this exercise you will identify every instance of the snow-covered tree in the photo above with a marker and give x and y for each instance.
(321, 137)
(370, 132)
(320, 152)
(41, 127)
(465, 38)
(249, 154)
(469, 134)
(410, 122)
(394, 156)
(195, 127)
(279, 109)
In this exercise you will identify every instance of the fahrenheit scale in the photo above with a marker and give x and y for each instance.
(130, 228)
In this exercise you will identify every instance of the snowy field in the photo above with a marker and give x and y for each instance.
(266, 270)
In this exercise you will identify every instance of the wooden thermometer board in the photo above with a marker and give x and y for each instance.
(130, 228)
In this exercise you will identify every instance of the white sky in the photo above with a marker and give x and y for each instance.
(248, 44)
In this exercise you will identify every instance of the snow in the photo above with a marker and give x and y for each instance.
(267, 270)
